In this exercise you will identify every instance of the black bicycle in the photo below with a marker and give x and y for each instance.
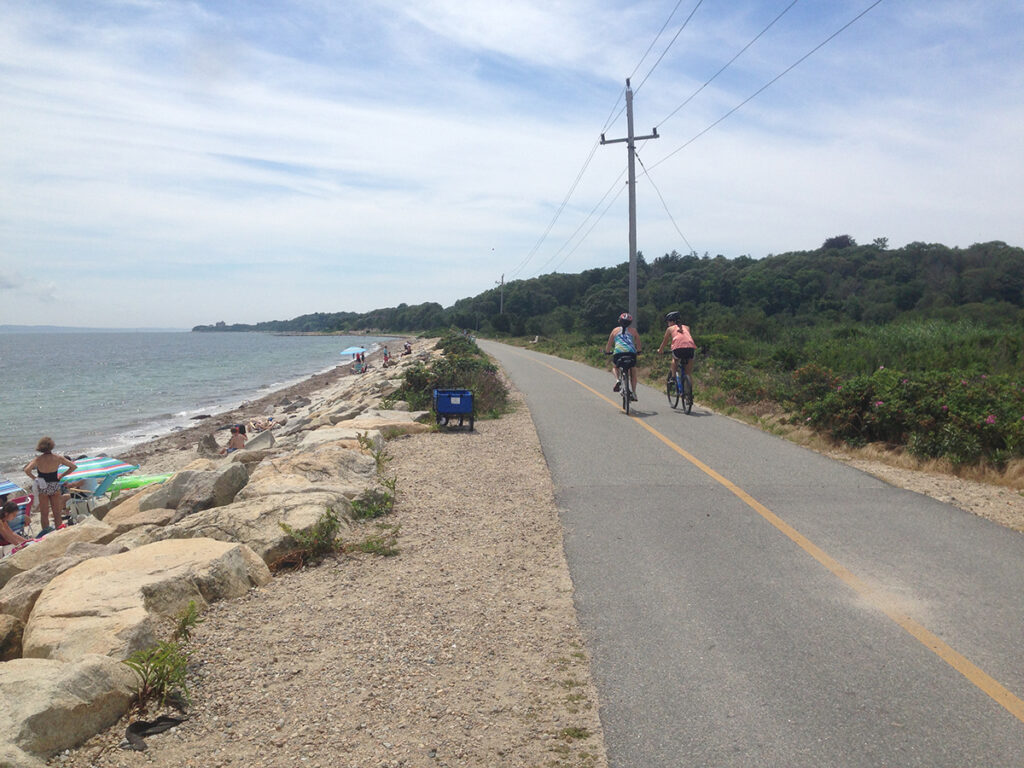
(625, 388)
(680, 387)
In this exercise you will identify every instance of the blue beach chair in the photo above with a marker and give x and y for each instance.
(99, 474)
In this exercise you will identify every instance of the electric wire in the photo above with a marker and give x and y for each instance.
(771, 82)
(558, 213)
(655, 40)
(582, 224)
(664, 205)
(727, 65)
(587, 233)
(615, 115)
(669, 46)
(612, 117)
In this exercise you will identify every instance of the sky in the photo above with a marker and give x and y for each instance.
(167, 163)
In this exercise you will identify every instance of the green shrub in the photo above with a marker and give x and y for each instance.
(463, 366)
(373, 503)
(382, 544)
(961, 417)
(315, 544)
(188, 619)
(161, 671)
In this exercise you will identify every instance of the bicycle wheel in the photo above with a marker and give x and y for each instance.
(624, 389)
(673, 392)
(687, 394)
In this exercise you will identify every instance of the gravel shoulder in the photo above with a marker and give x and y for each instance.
(462, 650)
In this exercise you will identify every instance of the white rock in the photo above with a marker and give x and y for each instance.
(329, 467)
(115, 605)
(54, 545)
(19, 595)
(47, 706)
(257, 522)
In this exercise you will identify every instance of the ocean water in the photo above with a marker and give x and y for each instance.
(103, 391)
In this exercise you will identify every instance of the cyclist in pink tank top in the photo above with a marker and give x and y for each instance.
(683, 347)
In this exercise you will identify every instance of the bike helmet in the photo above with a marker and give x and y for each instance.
(672, 317)
(625, 319)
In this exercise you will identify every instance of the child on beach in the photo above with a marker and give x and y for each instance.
(237, 441)
(8, 512)
(47, 481)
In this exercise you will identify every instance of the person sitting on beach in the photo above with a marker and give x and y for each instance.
(237, 441)
(261, 423)
(8, 512)
(47, 481)
(75, 490)
(407, 350)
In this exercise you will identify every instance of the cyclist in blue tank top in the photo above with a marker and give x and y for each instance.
(623, 344)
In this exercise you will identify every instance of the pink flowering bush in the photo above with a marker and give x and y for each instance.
(936, 415)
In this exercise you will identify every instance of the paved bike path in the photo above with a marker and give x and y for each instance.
(754, 603)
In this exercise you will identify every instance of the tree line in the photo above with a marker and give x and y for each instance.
(840, 282)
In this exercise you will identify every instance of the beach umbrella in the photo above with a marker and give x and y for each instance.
(353, 351)
(103, 468)
(7, 488)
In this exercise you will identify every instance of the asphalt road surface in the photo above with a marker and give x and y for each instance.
(751, 603)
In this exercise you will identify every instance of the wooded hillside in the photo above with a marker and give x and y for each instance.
(838, 283)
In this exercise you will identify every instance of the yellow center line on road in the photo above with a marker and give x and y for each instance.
(977, 677)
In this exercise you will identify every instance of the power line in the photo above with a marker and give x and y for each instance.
(765, 87)
(671, 43)
(587, 234)
(615, 115)
(664, 204)
(651, 46)
(728, 64)
(583, 224)
(558, 213)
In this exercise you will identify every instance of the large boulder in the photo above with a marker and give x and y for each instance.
(257, 522)
(47, 706)
(191, 490)
(11, 631)
(128, 503)
(346, 436)
(261, 441)
(54, 545)
(137, 537)
(124, 523)
(121, 604)
(346, 412)
(19, 595)
(330, 467)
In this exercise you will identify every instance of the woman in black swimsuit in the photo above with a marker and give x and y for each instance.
(47, 479)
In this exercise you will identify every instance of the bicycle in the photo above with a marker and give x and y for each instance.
(680, 387)
(625, 388)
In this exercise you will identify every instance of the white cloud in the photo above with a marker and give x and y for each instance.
(347, 158)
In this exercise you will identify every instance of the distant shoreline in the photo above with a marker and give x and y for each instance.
(151, 454)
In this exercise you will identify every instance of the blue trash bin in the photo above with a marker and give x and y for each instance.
(449, 403)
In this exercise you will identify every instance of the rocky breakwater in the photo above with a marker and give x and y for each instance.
(77, 603)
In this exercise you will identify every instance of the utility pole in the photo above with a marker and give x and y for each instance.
(630, 142)
(501, 295)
